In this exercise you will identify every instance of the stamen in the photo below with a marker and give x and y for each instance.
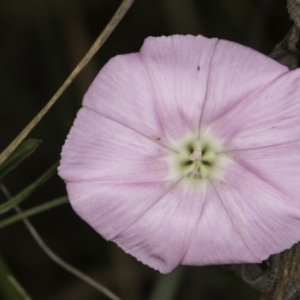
(194, 172)
(196, 156)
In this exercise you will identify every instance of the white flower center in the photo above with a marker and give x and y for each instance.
(196, 159)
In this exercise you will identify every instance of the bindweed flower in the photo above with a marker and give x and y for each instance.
(188, 152)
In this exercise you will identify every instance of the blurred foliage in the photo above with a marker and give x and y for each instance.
(41, 42)
(25, 193)
(34, 211)
(7, 290)
(24, 150)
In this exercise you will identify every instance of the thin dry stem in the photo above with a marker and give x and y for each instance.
(56, 258)
(120, 13)
(18, 287)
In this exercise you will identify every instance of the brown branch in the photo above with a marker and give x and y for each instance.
(293, 7)
(287, 51)
(287, 285)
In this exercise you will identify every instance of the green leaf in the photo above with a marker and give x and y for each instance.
(167, 286)
(34, 211)
(8, 290)
(26, 148)
(8, 205)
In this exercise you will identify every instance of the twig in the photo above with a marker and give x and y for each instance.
(56, 258)
(18, 287)
(120, 13)
(287, 51)
(293, 7)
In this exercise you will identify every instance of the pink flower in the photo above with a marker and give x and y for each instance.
(188, 152)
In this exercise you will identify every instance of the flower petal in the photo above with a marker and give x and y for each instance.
(178, 68)
(100, 149)
(264, 219)
(153, 222)
(122, 92)
(269, 117)
(116, 158)
(216, 239)
(236, 72)
(277, 165)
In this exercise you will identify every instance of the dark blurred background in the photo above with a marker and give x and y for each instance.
(41, 41)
